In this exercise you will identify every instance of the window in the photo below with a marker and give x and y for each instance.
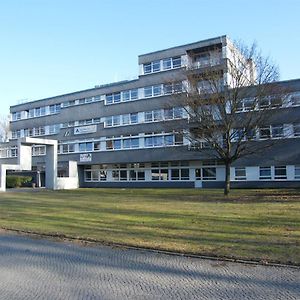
(31, 113)
(178, 139)
(68, 148)
(53, 129)
(156, 90)
(37, 112)
(39, 131)
(277, 131)
(157, 115)
(13, 152)
(275, 101)
(296, 128)
(175, 87)
(151, 91)
(108, 121)
(156, 66)
(185, 174)
(115, 175)
(176, 61)
(167, 64)
(148, 91)
(297, 172)
(16, 116)
(126, 119)
(116, 120)
(133, 94)
(96, 146)
(38, 150)
(117, 144)
(109, 144)
(88, 175)
(129, 95)
(86, 147)
(148, 116)
(126, 96)
(178, 112)
(147, 68)
(113, 98)
(134, 118)
(131, 143)
(168, 88)
(43, 111)
(123, 175)
(264, 103)
(265, 173)
(209, 173)
(180, 174)
(135, 143)
(245, 105)
(206, 173)
(55, 108)
(240, 173)
(280, 172)
(168, 113)
(265, 133)
(295, 99)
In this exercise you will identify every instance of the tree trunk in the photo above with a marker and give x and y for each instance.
(227, 179)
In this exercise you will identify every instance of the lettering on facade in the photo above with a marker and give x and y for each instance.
(84, 157)
(85, 129)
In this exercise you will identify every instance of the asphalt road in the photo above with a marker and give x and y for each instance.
(40, 269)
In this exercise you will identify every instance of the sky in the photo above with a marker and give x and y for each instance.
(53, 47)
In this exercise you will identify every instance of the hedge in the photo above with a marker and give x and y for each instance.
(14, 181)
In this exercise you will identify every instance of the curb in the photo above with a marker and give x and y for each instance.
(63, 237)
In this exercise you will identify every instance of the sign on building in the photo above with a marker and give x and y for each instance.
(85, 129)
(85, 157)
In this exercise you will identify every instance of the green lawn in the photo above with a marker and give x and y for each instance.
(256, 224)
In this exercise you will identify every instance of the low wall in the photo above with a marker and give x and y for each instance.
(67, 183)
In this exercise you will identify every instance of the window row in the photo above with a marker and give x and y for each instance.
(162, 89)
(124, 96)
(81, 122)
(267, 173)
(268, 102)
(267, 132)
(162, 65)
(36, 112)
(81, 101)
(148, 116)
(7, 152)
(36, 131)
(146, 92)
(123, 143)
(153, 174)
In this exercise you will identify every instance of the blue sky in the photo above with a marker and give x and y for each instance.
(52, 47)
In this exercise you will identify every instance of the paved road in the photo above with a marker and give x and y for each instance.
(39, 269)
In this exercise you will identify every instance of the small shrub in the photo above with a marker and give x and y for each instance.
(14, 181)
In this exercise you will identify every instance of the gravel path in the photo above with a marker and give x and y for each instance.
(40, 269)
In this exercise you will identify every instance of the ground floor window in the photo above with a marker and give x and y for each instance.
(297, 172)
(280, 172)
(265, 173)
(206, 173)
(240, 173)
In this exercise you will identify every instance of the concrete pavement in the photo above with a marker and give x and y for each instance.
(40, 269)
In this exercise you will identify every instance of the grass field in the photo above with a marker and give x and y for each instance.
(249, 224)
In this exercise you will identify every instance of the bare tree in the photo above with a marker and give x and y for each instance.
(4, 128)
(228, 101)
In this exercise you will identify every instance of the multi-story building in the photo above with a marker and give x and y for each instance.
(126, 134)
